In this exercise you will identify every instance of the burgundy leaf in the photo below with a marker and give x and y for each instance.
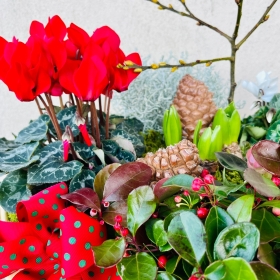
(163, 192)
(84, 197)
(267, 154)
(116, 208)
(126, 178)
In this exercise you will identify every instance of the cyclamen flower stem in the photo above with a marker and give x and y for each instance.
(95, 124)
(107, 119)
(61, 102)
(71, 99)
(38, 105)
(101, 120)
(79, 108)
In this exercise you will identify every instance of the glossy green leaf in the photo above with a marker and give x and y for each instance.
(82, 180)
(215, 271)
(266, 254)
(186, 234)
(264, 271)
(261, 184)
(116, 208)
(137, 267)
(231, 162)
(155, 231)
(237, 240)
(141, 205)
(216, 143)
(172, 263)
(126, 178)
(52, 168)
(162, 192)
(14, 189)
(19, 157)
(270, 203)
(267, 224)
(35, 131)
(221, 119)
(204, 143)
(109, 253)
(234, 127)
(241, 208)
(165, 248)
(255, 131)
(102, 176)
(165, 276)
(217, 220)
(181, 180)
(196, 132)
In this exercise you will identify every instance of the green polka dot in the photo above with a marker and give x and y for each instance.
(90, 273)
(55, 220)
(5, 266)
(101, 234)
(82, 263)
(31, 248)
(45, 191)
(45, 216)
(2, 249)
(55, 255)
(48, 243)
(109, 278)
(87, 246)
(56, 266)
(72, 240)
(13, 257)
(34, 213)
(102, 270)
(22, 241)
(38, 260)
(58, 195)
(38, 226)
(67, 256)
(62, 272)
(62, 218)
(55, 207)
(24, 260)
(62, 186)
(117, 273)
(91, 229)
(42, 201)
(42, 272)
(77, 224)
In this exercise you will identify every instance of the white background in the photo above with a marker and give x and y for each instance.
(144, 28)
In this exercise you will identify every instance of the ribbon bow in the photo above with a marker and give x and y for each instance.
(51, 241)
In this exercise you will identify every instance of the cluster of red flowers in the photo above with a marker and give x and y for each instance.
(57, 59)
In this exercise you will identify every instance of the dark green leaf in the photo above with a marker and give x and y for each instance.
(267, 224)
(83, 151)
(266, 254)
(271, 203)
(167, 247)
(125, 156)
(66, 117)
(111, 147)
(241, 208)
(237, 240)
(165, 276)
(163, 192)
(267, 154)
(231, 162)
(141, 266)
(273, 132)
(172, 263)
(261, 184)
(215, 271)
(141, 205)
(109, 253)
(186, 235)
(126, 178)
(156, 232)
(82, 180)
(116, 208)
(181, 180)
(6, 145)
(169, 218)
(217, 220)
(36, 130)
(264, 271)
(102, 176)
(14, 189)
(52, 168)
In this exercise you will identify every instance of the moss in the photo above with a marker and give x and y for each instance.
(231, 175)
(153, 140)
(12, 217)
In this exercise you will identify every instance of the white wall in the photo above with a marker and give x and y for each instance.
(144, 28)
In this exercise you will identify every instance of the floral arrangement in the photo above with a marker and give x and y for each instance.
(87, 209)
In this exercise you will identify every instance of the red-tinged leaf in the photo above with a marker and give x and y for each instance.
(116, 208)
(267, 154)
(162, 192)
(126, 178)
(261, 184)
(102, 176)
(84, 197)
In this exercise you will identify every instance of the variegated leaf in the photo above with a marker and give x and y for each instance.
(83, 179)
(6, 145)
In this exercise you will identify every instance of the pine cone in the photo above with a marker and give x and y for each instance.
(194, 102)
(233, 149)
(181, 158)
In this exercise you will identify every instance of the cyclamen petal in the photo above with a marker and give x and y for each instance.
(83, 130)
(66, 147)
(253, 88)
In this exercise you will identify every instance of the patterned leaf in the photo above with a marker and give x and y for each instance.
(6, 145)
(83, 179)
(18, 158)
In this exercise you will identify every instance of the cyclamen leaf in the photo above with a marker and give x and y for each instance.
(84, 197)
(19, 157)
(231, 162)
(261, 184)
(83, 179)
(66, 117)
(267, 154)
(264, 271)
(141, 205)
(137, 267)
(273, 132)
(186, 235)
(109, 253)
(126, 178)
(6, 145)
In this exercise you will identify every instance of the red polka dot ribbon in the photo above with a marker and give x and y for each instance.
(51, 241)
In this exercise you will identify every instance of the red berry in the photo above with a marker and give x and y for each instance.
(93, 212)
(204, 173)
(118, 218)
(202, 212)
(177, 199)
(101, 222)
(276, 211)
(186, 193)
(155, 215)
(193, 277)
(124, 232)
(197, 183)
(276, 180)
(162, 260)
(209, 179)
(106, 204)
(117, 226)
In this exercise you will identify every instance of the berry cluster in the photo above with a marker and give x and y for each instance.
(117, 226)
